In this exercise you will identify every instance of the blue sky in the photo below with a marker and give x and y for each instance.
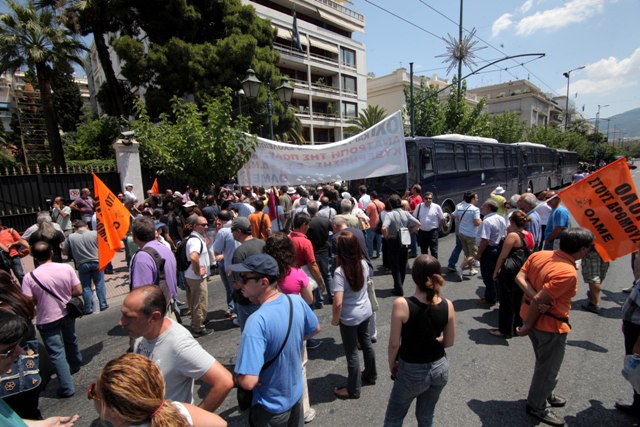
(602, 35)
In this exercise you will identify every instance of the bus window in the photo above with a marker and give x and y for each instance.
(426, 167)
(446, 158)
(500, 158)
(460, 162)
(487, 157)
(473, 153)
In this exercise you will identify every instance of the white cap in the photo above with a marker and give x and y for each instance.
(189, 204)
(177, 194)
(128, 185)
(499, 190)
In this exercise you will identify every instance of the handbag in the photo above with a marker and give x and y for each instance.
(516, 258)
(5, 261)
(631, 370)
(24, 373)
(371, 293)
(75, 306)
(245, 397)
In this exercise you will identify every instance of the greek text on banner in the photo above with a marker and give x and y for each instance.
(378, 151)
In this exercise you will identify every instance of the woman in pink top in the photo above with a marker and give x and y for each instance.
(292, 279)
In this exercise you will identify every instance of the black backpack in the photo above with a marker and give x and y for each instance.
(182, 260)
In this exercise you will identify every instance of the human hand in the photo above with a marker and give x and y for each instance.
(335, 322)
(59, 421)
(542, 308)
(522, 331)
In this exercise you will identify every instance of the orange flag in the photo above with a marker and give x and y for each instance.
(112, 222)
(154, 187)
(606, 202)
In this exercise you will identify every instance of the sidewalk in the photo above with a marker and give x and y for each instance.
(117, 284)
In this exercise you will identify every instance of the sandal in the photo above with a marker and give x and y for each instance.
(496, 333)
(343, 393)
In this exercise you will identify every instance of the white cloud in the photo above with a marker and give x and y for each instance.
(501, 24)
(608, 75)
(526, 6)
(552, 19)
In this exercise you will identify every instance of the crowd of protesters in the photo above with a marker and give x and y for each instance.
(282, 252)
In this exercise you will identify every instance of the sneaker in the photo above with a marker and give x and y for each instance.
(475, 263)
(593, 308)
(311, 344)
(627, 290)
(546, 416)
(459, 272)
(451, 269)
(202, 333)
(309, 416)
(556, 401)
(471, 272)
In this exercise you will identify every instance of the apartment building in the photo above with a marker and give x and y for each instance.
(523, 98)
(327, 67)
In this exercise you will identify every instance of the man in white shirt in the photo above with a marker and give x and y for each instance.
(431, 219)
(490, 233)
(197, 274)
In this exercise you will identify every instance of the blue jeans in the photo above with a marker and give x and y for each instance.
(378, 243)
(325, 271)
(231, 305)
(244, 311)
(16, 267)
(369, 235)
(457, 250)
(487, 265)
(88, 271)
(413, 250)
(61, 342)
(421, 381)
(351, 336)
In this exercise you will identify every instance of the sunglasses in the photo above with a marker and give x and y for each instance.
(10, 352)
(245, 279)
(91, 392)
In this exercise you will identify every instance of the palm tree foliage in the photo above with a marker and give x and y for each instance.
(34, 39)
(368, 117)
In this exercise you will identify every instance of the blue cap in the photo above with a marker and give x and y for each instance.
(258, 263)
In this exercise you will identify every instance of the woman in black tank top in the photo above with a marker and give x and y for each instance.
(422, 326)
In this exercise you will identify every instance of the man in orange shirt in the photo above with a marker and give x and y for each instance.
(10, 241)
(549, 280)
(260, 222)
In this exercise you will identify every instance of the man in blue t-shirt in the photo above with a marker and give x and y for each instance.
(558, 221)
(277, 390)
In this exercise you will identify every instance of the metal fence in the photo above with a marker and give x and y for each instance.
(24, 193)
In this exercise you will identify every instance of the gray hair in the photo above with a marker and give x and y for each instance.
(312, 207)
(346, 206)
(530, 199)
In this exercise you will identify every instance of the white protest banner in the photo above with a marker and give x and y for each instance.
(378, 151)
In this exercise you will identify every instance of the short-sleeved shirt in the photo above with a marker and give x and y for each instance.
(83, 245)
(9, 236)
(318, 234)
(63, 221)
(294, 282)
(85, 206)
(555, 272)
(429, 216)
(534, 226)
(8, 416)
(414, 201)
(197, 244)
(225, 244)
(280, 385)
(356, 307)
(144, 270)
(180, 358)
(493, 229)
(59, 279)
(303, 249)
(397, 219)
(559, 218)
(466, 214)
(260, 225)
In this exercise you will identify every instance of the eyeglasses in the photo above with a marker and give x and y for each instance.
(91, 392)
(244, 279)
(10, 352)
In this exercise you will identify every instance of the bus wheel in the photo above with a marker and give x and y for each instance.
(447, 210)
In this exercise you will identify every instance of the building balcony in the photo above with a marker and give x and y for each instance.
(342, 9)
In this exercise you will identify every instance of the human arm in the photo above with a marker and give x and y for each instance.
(221, 382)
(202, 418)
(247, 381)
(54, 422)
(336, 308)
(509, 243)
(481, 247)
(76, 290)
(306, 294)
(449, 333)
(541, 298)
(315, 272)
(554, 234)
(399, 316)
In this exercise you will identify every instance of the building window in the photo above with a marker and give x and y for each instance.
(349, 110)
(349, 84)
(348, 57)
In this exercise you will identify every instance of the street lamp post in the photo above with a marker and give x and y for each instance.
(567, 115)
(598, 116)
(251, 86)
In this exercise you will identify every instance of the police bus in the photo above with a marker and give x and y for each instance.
(450, 165)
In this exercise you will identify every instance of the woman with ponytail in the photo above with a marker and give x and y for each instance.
(130, 392)
(422, 326)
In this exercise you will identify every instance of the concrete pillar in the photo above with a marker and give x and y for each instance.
(128, 163)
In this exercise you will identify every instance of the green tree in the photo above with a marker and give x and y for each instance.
(66, 96)
(93, 139)
(200, 145)
(33, 38)
(460, 117)
(507, 128)
(368, 117)
(428, 110)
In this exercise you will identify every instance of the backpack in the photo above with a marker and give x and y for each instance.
(160, 279)
(182, 260)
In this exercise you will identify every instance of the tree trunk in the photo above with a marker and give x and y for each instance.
(113, 86)
(53, 133)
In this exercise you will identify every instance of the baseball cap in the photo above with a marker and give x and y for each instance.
(258, 263)
(189, 204)
(241, 224)
(499, 190)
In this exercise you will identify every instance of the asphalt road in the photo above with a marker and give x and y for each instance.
(489, 376)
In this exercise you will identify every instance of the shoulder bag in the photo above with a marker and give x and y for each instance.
(516, 258)
(75, 306)
(24, 373)
(245, 397)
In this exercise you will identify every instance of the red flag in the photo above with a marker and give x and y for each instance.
(154, 187)
(606, 202)
(112, 222)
